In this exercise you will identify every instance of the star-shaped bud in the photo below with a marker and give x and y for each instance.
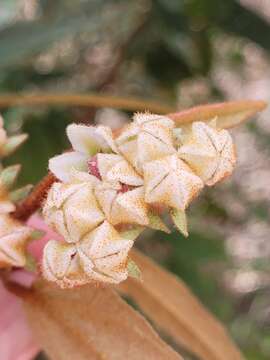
(209, 152)
(101, 256)
(72, 210)
(169, 181)
(114, 168)
(61, 264)
(147, 138)
(86, 141)
(122, 206)
(13, 240)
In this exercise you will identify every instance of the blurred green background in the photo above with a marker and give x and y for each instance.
(176, 52)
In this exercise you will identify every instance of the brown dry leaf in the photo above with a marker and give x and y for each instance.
(229, 114)
(91, 323)
(174, 309)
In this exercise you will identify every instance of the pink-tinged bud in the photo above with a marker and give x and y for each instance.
(124, 188)
(93, 167)
(122, 207)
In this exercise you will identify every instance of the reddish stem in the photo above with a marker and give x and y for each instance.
(33, 202)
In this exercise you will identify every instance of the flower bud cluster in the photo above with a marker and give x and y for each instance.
(13, 235)
(112, 186)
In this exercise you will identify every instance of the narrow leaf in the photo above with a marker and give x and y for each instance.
(179, 219)
(91, 323)
(20, 40)
(168, 302)
(13, 143)
(84, 100)
(9, 175)
(229, 114)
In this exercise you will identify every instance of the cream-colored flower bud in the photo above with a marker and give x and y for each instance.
(114, 168)
(104, 254)
(171, 182)
(13, 241)
(61, 264)
(122, 206)
(209, 152)
(101, 256)
(86, 141)
(72, 210)
(147, 138)
(90, 140)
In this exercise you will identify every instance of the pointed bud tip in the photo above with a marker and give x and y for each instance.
(9, 175)
(13, 143)
(133, 270)
(180, 221)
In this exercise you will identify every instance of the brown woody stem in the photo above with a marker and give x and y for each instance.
(33, 202)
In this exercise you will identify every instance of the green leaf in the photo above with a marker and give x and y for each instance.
(21, 40)
(179, 219)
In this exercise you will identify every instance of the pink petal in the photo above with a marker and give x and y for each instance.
(36, 247)
(16, 342)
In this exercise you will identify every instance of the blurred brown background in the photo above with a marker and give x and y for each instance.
(176, 52)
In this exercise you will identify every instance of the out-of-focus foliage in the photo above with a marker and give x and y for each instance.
(180, 52)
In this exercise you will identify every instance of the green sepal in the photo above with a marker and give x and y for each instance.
(13, 143)
(133, 270)
(36, 234)
(155, 222)
(20, 194)
(30, 264)
(132, 233)
(9, 175)
(179, 219)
